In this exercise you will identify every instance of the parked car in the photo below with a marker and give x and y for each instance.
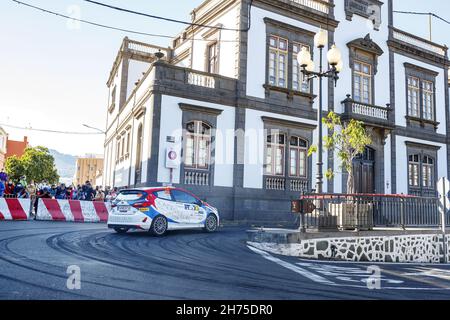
(160, 209)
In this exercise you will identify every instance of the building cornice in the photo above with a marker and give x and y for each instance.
(298, 12)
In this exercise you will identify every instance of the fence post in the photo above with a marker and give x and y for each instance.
(402, 213)
(443, 187)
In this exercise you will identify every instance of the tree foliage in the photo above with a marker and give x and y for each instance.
(348, 140)
(36, 164)
(14, 168)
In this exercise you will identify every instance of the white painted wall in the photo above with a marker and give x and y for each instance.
(228, 48)
(255, 144)
(402, 161)
(348, 31)
(401, 104)
(171, 125)
(257, 48)
(135, 70)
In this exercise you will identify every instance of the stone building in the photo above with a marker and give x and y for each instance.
(231, 99)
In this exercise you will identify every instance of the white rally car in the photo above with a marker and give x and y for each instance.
(161, 209)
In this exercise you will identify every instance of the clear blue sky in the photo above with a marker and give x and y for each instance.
(54, 76)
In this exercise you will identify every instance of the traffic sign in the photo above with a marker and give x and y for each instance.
(172, 157)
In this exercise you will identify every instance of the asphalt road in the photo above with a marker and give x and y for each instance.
(34, 257)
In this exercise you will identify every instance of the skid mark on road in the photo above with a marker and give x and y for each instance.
(357, 276)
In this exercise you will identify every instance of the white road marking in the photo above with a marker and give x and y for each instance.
(317, 278)
(303, 272)
(435, 273)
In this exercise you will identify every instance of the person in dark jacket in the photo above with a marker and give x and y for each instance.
(61, 192)
(88, 191)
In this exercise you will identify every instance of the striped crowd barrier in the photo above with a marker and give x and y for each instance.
(72, 210)
(14, 209)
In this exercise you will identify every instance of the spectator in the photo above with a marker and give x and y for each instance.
(32, 192)
(99, 194)
(52, 191)
(61, 192)
(88, 191)
(2, 188)
(9, 189)
(18, 190)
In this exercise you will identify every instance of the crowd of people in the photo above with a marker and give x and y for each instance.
(32, 190)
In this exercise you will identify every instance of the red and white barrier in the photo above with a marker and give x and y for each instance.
(72, 210)
(14, 209)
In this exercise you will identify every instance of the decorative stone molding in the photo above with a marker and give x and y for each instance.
(199, 109)
(288, 123)
(366, 45)
(369, 9)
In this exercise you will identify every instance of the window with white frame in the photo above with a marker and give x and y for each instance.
(413, 168)
(198, 145)
(413, 96)
(362, 82)
(299, 82)
(213, 57)
(421, 172)
(275, 150)
(427, 100)
(298, 150)
(278, 61)
(421, 93)
(427, 172)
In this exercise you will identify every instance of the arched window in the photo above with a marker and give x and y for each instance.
(275, 150)
(198, 145)
(297, 157)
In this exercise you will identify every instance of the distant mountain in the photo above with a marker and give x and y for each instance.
(65, 163)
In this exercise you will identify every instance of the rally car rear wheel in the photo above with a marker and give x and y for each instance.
(159, 226)
(211, 223)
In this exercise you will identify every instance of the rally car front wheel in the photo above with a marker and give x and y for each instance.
(211, 223)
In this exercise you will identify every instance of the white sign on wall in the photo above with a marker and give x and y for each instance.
(172, 156)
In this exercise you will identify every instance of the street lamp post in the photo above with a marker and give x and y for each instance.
(99, 130)
(307, 69)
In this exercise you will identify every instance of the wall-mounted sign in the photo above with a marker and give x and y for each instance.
(172, 157)
(370, 9)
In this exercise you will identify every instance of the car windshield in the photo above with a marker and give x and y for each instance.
(130, 195)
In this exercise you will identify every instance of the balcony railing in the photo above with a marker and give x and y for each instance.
(319, 5)
(298, 185)
(281, 184)
(201, 80)
(144, 48)
(196, 178)
(418, 42)
(365, 111)
(275, 183)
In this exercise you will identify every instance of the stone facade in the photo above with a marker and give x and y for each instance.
(424, 248)
(147, 95)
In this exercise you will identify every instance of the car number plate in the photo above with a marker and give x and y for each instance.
(123, 208)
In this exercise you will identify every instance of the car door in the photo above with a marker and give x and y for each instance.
(168, 207)
(193, 212)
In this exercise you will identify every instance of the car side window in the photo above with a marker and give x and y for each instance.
(180, 196)
(163, 194)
